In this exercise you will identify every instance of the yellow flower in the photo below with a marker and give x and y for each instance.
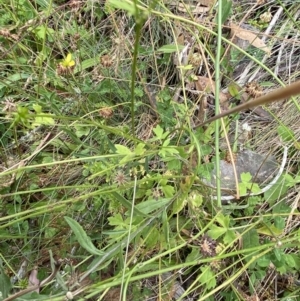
(66, 67)
(68, 62)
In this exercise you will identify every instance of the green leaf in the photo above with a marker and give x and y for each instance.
(129, 7)
(50, 232)
(277, 258)
(116, 220)
(179, 204)
(170, 48)
(166, 142)
(168, 151)
(286, 134)
(159, 132)
(276, 191)
(260, 274)
(270, 230)
(37, 108)
(127, 204)
(278, 254)
(290, 181)
(223, 220)
(140, 149)
(5, 284)
(229, 237)
(279, 222)
(215, 232)
(206, 138)
(125, 160)
(205, 150)
(83, 239)
(234, 90)
(162, 181)
(86, 64)
(195, 199)
(174, 164)
(226, 10)
(281, 269)
(123, 150)
(246, 177)
(152, 205)
(43, 120)
(138, 92)
(194, 255)
(289, 260)
(242, 188)
(288, 178)
(168, 190)
(13, 78)
(267, 84)
(263, 262)
(254, 187)
(281, 207)
(254, 200)
(296, 260)
(82, 130)
(207, 277)
(41, 31)
(250, 239)
(152, 238)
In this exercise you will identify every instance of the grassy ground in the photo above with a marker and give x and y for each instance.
(103, 162)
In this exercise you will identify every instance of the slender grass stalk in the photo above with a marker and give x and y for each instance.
(124, 285)
(138, 30)
(217, 104)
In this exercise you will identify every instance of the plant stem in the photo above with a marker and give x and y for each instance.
(138, 30)
(217, 103)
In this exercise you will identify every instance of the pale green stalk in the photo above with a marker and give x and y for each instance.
(217, 104)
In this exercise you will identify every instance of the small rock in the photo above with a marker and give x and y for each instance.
(262, 169)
